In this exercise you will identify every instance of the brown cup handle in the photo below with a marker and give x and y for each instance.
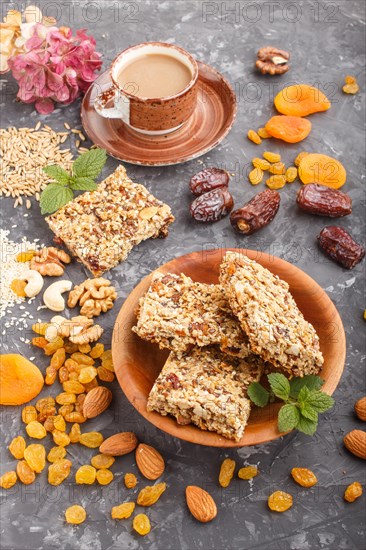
(118, 111)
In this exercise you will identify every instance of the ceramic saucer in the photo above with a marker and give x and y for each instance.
(208, 126)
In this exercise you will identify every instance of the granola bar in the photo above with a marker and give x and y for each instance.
(207, 388)
(177, 314)
(275, 326)
(101, 227)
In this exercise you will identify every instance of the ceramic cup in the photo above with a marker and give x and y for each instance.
(152, 116)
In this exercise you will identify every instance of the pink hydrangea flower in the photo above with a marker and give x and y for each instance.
(55, 66)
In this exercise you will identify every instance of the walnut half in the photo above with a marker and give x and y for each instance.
(94, 296)
(272, 60)
(50, 261)
(80, 330)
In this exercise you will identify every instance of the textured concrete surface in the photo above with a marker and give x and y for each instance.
(326, 41)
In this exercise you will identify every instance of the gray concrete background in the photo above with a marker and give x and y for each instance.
(326, 41)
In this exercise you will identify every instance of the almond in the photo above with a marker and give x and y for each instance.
(149, 461)
(97, 401)
(201, 505)
(355, 442)
(119, 444)
(360, 408)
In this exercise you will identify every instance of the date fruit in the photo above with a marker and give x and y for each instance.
(256, 213)
(212, 206)
(340, 246)
(323, 201)
(208, 180)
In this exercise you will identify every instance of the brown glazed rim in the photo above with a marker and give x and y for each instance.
(166, 45)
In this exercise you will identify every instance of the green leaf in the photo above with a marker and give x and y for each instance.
(258, 394)
(279, 385)
(89, 164)
(288, 418)
(309, 412)
(320, 401)
(53, 197)
(311, 381)
(57, 173)
(307, 426)
(83, 184)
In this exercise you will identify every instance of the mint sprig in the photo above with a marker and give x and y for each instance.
(85, 169)
(302, 397)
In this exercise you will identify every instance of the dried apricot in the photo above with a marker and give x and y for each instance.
(254, 137)
(130, 481)
(17, 447)
(276, 182)
(255, 176)
(141, 524)
(248, 472)
(291, 174)
(35, 456)
(263, 164)
(123, 511)
(97, 351)
(75, 514)
(20, 380)
(56, 453)
(87, 374)
(226, 472)
(85, 475)
(18, 287)
(278, 168)
(25, 474)
(59, 471)
(35, 430)
(150, 494)
(279, 501)
(102, 461)
(321, 169)
(262, 132)
(304, 477)
(60, 438)
(271, 157)
(8, 479)
(299, 158)
(301, 100)
(91, 439)
(353, 491)
(104, 476)
(291, 129)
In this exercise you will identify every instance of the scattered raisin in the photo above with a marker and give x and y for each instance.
(35, 456)
(35, 430)
(271, 157)
(262, 132)
(60, 438)
(87, 374)
(263, 164)
(17, 447)
(104, 476)
(91, 439)
(212, 206)
(85, 475)
(279, 501)
(150, 494)
(353, 491)
(304, 477)
(276, 182)
(278, 168)
(255, 176)
(130, 481)
(123, 511)
(323, 201)
(226, 472)
(340, 246)
(59, 471)
(75, 433)
(8, 479)
(29, 414)
(97, 351)
(256, 213)
(291, 174)
(25, 474)
(75, 514)
(248, 472)
(56, 453)
(102, 461)
(141, 524)
(208, 180)
(254, 137)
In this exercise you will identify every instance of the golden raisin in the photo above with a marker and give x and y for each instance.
(75, 514)
(254, 137)
(150, 494)
(53, 346)
(82, 358)
(248, 472)
(87, 374)
(75, 433)
(73, 386)
(130, 480)
(8, 479)
(63, 375)
(85, 475)
(104, 476)
(56, 453)
(18, 286)
(66, 398)
(141, 524)
(255, 176)
(304, 477)
(91, 439)
(27, 255)
(35, 456)
(262, 132)
(35, 430)
(75, 416)
(25, 473)
(353, 491)
(45, 402)
(70, 347)
(97, 351)
(59, 471)
(59, 423)
(291, 174)
(263, 164)
(351, 86)
(29, 414)
(17, 447)
(299, 158)
(40, 328)
(39, 342)
(65, 409)
(58, 358)
(279, 501)
(105, 375)
(278, 168)
(226, 472)
(60, 438)
(102, 461)
(48, 424)
(272, 157)
(84, 348)
(276, 182)
(91, 385)
(48, 410)
(107, 360)
(123, 511)
(51, 374)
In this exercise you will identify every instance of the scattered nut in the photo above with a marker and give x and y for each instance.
(34, 282)
(80, 330)
(50, 261)
(94, 296)
(360, 408)
(201, 505)
(355, 442)
(272, 61)
(52, 296)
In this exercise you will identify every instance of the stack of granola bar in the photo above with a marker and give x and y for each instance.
(221, 338)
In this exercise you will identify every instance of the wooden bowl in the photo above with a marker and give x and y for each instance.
(137, 363)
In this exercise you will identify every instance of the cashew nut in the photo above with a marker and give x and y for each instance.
(52, 296)
(53, 328)
(34, 282)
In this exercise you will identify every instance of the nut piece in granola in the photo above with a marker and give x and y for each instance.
(94, 296)
(207, 388)
(177, 313)
(101, 227)
(272, 61)
(50, 261)
(275, 326)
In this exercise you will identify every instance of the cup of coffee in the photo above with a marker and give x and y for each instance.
(154, 88)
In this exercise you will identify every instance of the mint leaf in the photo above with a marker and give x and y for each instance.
(303, 395)
(279, 385)
(89, 164)
(311, 381)
(258, 394)
(320, 401)
(307, 426)
(53, 197)
(83, 184)
(57, 173)
(288, 418)
(309, 412)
